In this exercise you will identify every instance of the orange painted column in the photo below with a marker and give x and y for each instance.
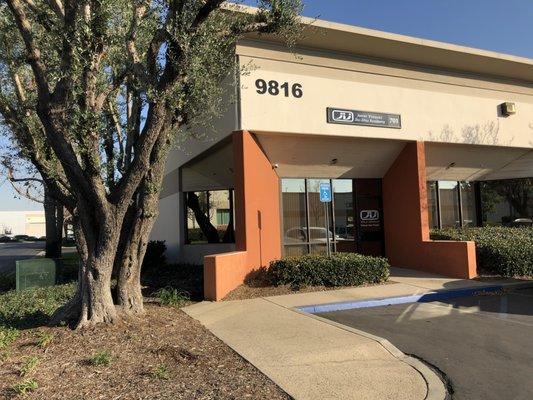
(405, 208)
(257, 220)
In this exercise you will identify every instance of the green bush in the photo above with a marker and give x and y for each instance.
(154, 256)
(102, 358)
(7, 282)
(341, 269)
(32, 307)
(22, 388)
(172, 297)
(501, 250)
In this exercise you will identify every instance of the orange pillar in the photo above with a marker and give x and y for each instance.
(406, 217)
(257, 220)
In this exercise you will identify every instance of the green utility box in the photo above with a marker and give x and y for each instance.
(35, 273)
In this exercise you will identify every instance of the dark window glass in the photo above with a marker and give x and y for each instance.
(294, 216)
(468, 204)
(210, 217)
(507, 202)
(433, 210)
(449, 204)
(343, 209)
(317, 213)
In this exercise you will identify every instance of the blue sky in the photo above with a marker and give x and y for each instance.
(502, 26)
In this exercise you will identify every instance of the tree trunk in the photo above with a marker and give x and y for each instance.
(53, 213)
(92, 302)
(129, 293)
(210, 232)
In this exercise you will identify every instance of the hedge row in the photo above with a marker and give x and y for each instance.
(500, 250)
(341, 269)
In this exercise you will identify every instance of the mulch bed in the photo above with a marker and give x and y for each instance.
(252, 291)
(197, 364)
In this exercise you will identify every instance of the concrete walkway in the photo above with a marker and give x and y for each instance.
(312, 358)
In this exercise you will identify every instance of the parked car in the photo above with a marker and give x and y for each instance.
(5, 239)
(316, 234)
(522, 222)
(32, 238)
(21, 237)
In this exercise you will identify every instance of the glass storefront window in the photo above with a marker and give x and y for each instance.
(317, 217)
(209, 217)
(468, 204)
(452, 204)
(449, 204)
(294, 216)
(343, 209)
(507, 202)
(433, 205)
(304, 216)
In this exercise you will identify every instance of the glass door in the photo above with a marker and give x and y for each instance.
(343, 216)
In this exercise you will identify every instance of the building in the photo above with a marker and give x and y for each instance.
(31, 223)
(403, 129)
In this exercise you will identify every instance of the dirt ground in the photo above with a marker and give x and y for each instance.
(167, 355)
(248, 291)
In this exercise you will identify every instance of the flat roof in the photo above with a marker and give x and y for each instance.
(332, 36)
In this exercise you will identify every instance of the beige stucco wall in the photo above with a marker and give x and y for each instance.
(439, 106)
(188, 145)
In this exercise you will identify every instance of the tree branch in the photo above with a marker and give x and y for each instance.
(204, 12)
(57, 7)
(34, 54)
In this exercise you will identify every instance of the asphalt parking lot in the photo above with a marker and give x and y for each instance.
(10, 252)
(483, 344)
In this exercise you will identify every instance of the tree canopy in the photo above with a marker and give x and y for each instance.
(95, 91)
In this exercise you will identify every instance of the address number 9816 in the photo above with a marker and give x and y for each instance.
(274, 88)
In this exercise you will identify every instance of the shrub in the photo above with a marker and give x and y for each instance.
(44, 340)
(501, 250)
(28, 385)
(341, 269)
(28, 366)
(7, 282)
(8, 336)
(32, 307)
(155, 255)
(172, 297)
(161, 372)
(101, 358)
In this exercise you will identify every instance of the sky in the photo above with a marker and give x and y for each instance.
(502, 26)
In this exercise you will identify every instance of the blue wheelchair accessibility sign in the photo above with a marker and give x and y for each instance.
(325, 192)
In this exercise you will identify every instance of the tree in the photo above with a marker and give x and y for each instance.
(110, 83)
(517, 192)
(33, 188)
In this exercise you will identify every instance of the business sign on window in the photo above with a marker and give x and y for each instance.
(364, 118)
(369, 218)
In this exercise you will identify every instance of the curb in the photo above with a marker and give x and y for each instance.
(436, 389)
(445, 294)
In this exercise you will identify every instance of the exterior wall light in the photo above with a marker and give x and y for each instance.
(451, 165)
(508, 108)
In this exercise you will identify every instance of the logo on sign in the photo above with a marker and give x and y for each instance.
(369, 215)
(342, 116)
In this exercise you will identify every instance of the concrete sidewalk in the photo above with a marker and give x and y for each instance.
(312, 358)
(306, 357)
